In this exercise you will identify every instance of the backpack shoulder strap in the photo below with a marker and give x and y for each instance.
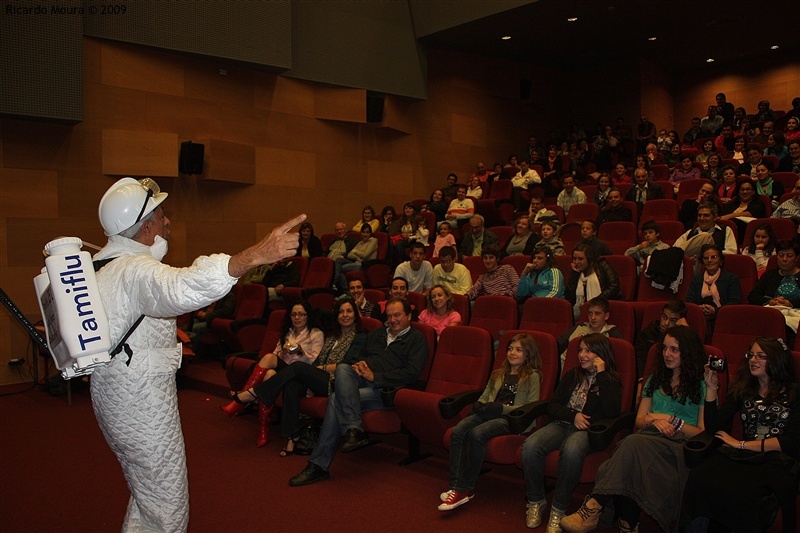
(98, 264)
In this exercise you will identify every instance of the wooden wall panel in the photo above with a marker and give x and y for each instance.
(17, 186)
(140, 153)
(284, 95)
(114, 106)
(341, 103)
(189, 117)
(155, 72)
(285, 167)
(468, 130)
(229, 161)
(394, 178)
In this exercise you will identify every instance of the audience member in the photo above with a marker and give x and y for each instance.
(714, 287)
(549, 233)
(452, 187)
(365, 250)
(713, 170)
(673, 157)
(398, 288)
(444, 238)
(695, 132)
(672, 314)
(388, 215)
(795, 110)
(537, 211)
(686, 172)
(776, 145)
(461, 208)
(439, 313)
(651, 152)
(739, 152)
(570, 194)
(368, 217)
(761, 246)
(647, 471)
(604, 186)
(417, 271)
(225, 307)
(767, 186)
(744, 207)
(521, 182)
(513, 384)
(651, 232)
(592, 390)
(724, 142)
(499, 280)
(761, 136)
(533, 146)
(523, 240)
(597, 313)
(706, 232)
(403, 231)
(791, 163)
(644, 163)
(284, 273)
(724, 108)
(645, 134)
(780, 286)
(437, 204)
(590, 277)
(712, 122)
(620, 176)
(393, 357)
(792, 132)
(746, 474)
(552, 164)
(791, 207)
(765, 113)
(589, 238)
(475, 190)
(541, 278)
(481, 172)
(644, 191)
(728, 186)
(708, 151)
(477, 237)
(453, 275)
(310, 245)
(355, 288)
(605, 147)
(341, 245)
(614, 211)
(300, 340)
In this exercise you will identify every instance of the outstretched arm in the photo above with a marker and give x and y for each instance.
(276, 246)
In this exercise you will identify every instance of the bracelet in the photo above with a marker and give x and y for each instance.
(741, 445)
(680, 426)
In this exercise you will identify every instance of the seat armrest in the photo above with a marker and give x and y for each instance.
(699, 448)
(237, 325)
(450, 406)
(310, 291)
(388, 394)
(522, 417)
(602, 432)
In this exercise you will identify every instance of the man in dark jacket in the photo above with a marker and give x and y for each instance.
(394, 356)
(284, 273)
(614, 211)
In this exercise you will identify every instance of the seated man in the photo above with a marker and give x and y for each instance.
(451, 274)
(394, 356)
(712, 122)
(460, 209)
(597, 311)
(522, 182)
(355, 288)
(537, 211)
(644, 190)
(481, 172)
(651, 232)
(672, 314)
(397, 289)
(477, 237)
(614, 211)
(570, 194)
(707, 232)
(688, 212)
(499, 280)
(588, 236)
(791, 207)
(417, 270)
(284, 273)
(452, 188)
(754, 158)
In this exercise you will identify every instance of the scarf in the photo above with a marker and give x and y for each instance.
(588, 288)
(710, 287)
(766, 188)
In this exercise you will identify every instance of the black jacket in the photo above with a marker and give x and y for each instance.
(609, 282)
(603, 401)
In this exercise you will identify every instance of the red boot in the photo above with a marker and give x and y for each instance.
(234, 408)
(264, 415)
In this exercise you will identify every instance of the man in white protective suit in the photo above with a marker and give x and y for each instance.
(134, 396)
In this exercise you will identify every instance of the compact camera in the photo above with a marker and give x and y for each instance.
(294, 349)
(717, 363)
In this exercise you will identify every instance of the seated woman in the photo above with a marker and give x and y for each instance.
(686, 171)
(726, 191)
(776, 145)
(365, 250)
(604, 187)
(368, 217)
(523, 240)
(647, 471)
(499, 280)
(541, 278)
(780, 287)
(549, 232)
(708, 149)
(387, 217)
(745, 206)
(589, 392)
(713, 171)
(713, 287)
(590, 278)
(739, 149)
(310, 245)
(673, 157)
(620, 176)
(552, 164)
(761, 246)
(439, 313)
(300, 341)
(403, 229)
(515, 383)
(475, 190)
(766, 397)
(644, 162)
(792, 132)
(438, 205)
(344, 343)
(767, 186)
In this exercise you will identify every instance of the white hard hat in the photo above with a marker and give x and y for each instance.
(127, 202)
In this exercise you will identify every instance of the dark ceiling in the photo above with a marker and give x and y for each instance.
(687, 32)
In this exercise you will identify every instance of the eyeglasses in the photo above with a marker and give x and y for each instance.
(759, 356)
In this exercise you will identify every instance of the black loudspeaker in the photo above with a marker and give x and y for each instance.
(374, 107)
(191, 158)
(524, 89)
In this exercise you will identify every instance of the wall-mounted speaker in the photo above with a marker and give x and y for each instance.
(374, 107)
(190, 160)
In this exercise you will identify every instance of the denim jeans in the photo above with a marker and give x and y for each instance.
(468, 449)
(573, 446)
(353, 396)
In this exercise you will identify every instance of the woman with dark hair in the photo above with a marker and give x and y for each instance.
(310, 245)
(300, 341)
(739, 152)
(643, 162)
(727, 185)
(592, 390)
(541, 278)
(708, 150)
(768, 186)
(368, 217)
(746, 205)
(514, 383)
(776, 145)
(403, 228)
(604, 186)
(713, 171)
(498, 173)
(647, 471)
(438, 205)
(365, 250)
(732, 489)
(590, 277)
(713, 287)
(739, 117)
(780, 286)
(343, 344)
(551, 165)
(440, 312)
(388, 214)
